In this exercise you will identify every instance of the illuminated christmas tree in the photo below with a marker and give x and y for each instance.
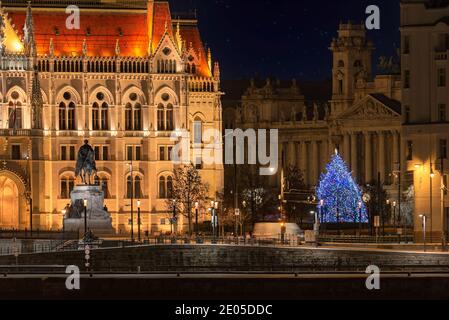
(340, 195)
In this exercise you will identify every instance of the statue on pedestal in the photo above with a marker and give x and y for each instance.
(85, 164)
(87, 208)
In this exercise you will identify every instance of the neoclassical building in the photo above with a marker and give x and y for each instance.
(425, 51)
(128, 78)
(360, 115)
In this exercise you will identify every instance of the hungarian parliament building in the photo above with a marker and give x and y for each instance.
(127, 78)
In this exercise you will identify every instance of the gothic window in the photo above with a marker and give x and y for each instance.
(134, 187)
(128, 117)
(160, 118)
(197, 131)
(95, 117)
(133, 116)
(62, 116)
(169, 118)
(71, 116)
(169, 187)
(67, 185)
(15, 115)
(162, 189)
(104, 116)
(341, 64)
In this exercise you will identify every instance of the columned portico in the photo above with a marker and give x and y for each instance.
(381, 155)
(368, 157)
(354, 153)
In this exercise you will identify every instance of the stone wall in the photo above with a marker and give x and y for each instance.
(207, 258)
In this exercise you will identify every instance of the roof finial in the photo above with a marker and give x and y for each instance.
(85, 47)
(117, 48)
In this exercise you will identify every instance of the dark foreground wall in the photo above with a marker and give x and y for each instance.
(237, 259)
(225, 289)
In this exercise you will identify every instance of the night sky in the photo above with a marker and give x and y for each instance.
(284, 38)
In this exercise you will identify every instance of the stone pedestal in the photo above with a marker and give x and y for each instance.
(98, 219)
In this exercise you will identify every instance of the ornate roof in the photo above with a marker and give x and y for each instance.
(134, 24)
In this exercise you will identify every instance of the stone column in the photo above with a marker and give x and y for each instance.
(368, 157)
(347, 148)
(314, 165)
(291, 154)
(324, 155)
(354, 154)
(381, 156)
(395, 150)
(304, 162)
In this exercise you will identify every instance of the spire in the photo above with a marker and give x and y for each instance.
(51, 48)
(28, 33)
(2, 30)
(209, 59)
(37, 102)
(85, 47)
(217, 71)
(178, 37)
(117, 48)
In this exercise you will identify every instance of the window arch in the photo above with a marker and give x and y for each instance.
(169, 121)
(165, 187)
(104, 116)
(133, 116)
(134, 187)
(197, 131)
(341, 64)
(67, 183)
(160, 117)
(67, 116)
(95, 116)
(15, 115)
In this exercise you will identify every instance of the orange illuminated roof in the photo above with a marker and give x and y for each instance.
(101, 31)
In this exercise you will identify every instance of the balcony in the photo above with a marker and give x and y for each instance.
(15, 132)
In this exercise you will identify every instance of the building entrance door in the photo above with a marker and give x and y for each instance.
(9, 204)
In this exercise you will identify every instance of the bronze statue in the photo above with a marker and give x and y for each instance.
(85, 164)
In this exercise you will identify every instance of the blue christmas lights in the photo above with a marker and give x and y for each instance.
(340, 196)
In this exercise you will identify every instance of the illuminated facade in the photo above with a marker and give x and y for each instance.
(125, 80)
(360, 115)
(425, 108)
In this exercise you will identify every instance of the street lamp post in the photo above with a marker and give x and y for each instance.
(197, 206)
(64, 212)
(138, 221)
(172, 221)
(360, 217)
(394, 214)
(132, 200)
(85, 218)
(424, 225)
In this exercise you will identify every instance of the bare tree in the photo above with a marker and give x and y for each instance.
(188, 188)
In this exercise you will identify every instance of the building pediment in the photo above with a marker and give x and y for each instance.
(373, 107)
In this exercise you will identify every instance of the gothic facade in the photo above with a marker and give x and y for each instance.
(128, 78)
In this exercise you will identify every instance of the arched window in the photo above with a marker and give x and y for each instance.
(134, 187)
(104, 116)
(62, 116)
(137, 187)
(129, 188)
(169, 187)
(128, 117)
(160, 117)
(137, 117)
(95, 117)
(170, 125)
(162, 188)
(198, 131)
(358, 64)
(15, 115)
(71, 116)
(165, 187)
(341, 64)
(67, 185)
